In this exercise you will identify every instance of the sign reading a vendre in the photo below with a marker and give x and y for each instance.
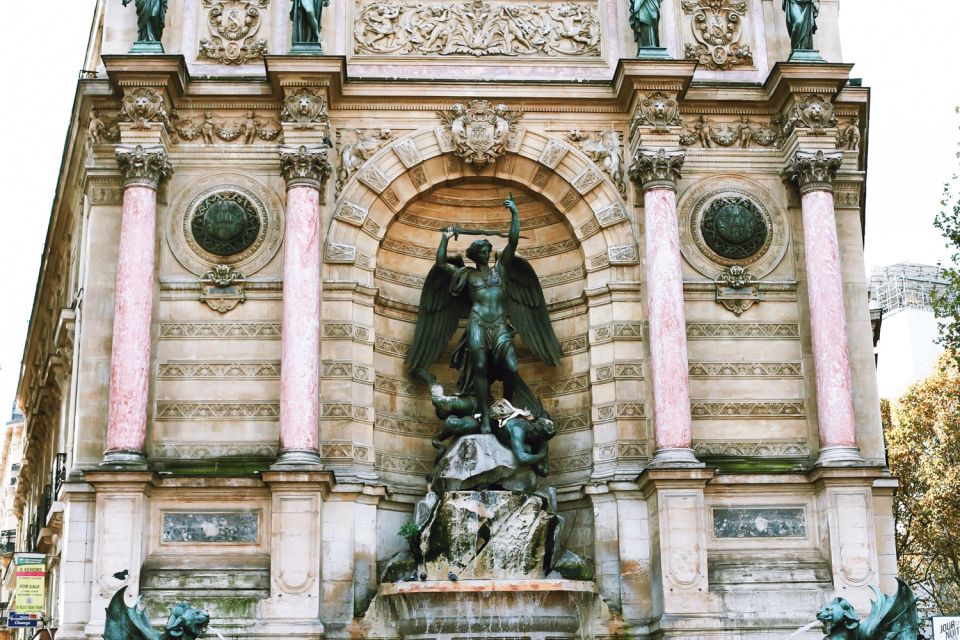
(946, 627)
(31, 575)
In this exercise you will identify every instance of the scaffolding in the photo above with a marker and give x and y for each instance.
(905, 285)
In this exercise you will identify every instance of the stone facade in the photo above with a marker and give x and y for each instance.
(234, 264)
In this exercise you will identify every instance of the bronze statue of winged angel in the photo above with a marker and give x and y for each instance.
(497, 302)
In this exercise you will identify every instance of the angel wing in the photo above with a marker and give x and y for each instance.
(528, 310)
(892, 617)
(437, 320)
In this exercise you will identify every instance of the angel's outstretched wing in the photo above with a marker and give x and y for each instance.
(528, 310)
(440, 311)
(892, 617)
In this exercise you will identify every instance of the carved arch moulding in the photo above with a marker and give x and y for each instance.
(551, 167)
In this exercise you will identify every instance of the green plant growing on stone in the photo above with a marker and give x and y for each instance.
(410, 532)
(946, 302)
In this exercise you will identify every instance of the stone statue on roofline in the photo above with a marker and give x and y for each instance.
(306, 17)
(645, 22)
(151, 18)
(801, 22)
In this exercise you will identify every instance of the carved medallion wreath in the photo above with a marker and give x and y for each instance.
(727, 221)
(226, 219)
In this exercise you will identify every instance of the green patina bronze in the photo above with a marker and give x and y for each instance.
(132, 623)
(486, 296)
(645, 22)
(734, 228)
(801, 22)
(306, 15)
(893, 617)
(225, 224)
(151, 16)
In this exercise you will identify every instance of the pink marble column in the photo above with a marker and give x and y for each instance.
(657, 171)
(305, 170)
(813, 172)
(143, 169)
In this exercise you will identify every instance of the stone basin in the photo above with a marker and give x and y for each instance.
(534, 609)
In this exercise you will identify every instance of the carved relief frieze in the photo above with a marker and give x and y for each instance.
(233, 27)
(405, 463)
(765, 449)
(103, 127)
(605, 148)
(476, 28)
(717, 29)
(404, 425)
(218, 410)
(355, 147)
(227, 330)
(436, 224)
(480, 132)
(562, 386)
(848, 136)
(715, 330)
(213, 370)
(576, 461)
(345, 331)
(741, 133)
(740, 409)
(208, 128)
(206, 451)
(745, 369)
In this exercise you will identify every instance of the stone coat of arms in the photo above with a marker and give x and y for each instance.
(479, 132)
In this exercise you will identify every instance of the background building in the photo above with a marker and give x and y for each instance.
(908, 345)
(215, 399)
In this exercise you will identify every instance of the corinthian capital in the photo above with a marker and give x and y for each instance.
(305, 165)
(656, 168)
(143, 166)
(813, 170)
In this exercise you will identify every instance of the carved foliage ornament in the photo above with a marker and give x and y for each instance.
(657, 110)
(306, 108)
(477, 28)
(813, 112)
(305, 165)
(145, 166)
(355, 147)
(233, 28)
(479, 131)
(141, 106)
(813, 171)
(606, 150)
(742, 133)
(656, 168)
(246, 130)
(717, 27)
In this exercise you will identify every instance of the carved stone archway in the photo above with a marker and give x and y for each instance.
(597, 217)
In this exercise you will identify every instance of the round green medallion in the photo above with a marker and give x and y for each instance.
(225, 224)
(733, 228)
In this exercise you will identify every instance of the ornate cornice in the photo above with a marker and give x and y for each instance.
(813, 170)
(143, 166)
(305, 165)
(656, 168)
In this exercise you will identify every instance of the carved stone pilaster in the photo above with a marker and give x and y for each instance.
(813, 170)
(305, 165)
(143, 166)
(656, 168)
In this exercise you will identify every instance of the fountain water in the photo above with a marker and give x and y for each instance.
(803, 629)
(219, 635)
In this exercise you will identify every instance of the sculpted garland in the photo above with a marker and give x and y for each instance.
(477, 28)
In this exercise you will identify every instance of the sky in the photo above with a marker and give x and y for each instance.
(903, 54)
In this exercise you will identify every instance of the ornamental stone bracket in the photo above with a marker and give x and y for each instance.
(813, 170)
(656, 168)
(144, 166)
(305, 165)
(736, 289)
